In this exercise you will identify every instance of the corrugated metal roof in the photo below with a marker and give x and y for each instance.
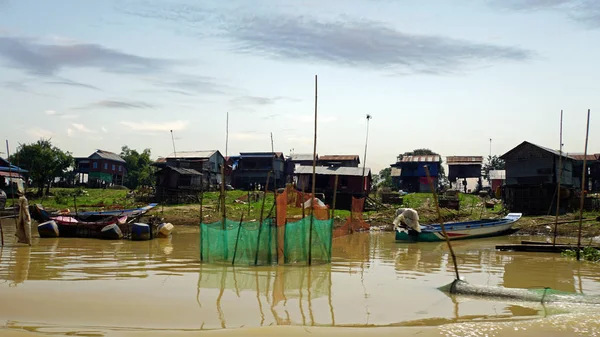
(204, 154)
(341, 171)
(340, 157)
(108, 155)
(421, 159)
(184, 171)
(497, 174)
(581, 156)
(554, 152)
(261, 154)
(464, 160)
(302, 157)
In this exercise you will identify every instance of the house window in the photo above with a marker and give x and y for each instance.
(95, 165)
(113, 167)
(120, 167)
(106, 166)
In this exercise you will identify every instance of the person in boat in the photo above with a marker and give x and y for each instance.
(407, 219)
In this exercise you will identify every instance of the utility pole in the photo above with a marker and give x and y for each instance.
(365, 157)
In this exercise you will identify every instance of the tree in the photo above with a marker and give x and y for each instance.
(492, 163)
(385, 178)
(139, 172)
(44, 163)
(442, 178)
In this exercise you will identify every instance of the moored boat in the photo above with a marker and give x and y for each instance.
(71, 227)
(460, 230)
(40, 214)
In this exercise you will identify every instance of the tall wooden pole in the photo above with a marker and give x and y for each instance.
(227, 135)
(583, 181)
(260, 224)
(365, 157)
(314, 174)
(437, 207)
(559, 180)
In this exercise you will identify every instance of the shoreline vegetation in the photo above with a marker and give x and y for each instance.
(471, 207)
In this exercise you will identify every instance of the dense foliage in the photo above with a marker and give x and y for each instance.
(139, 171)
(492, 163)
(44, 162)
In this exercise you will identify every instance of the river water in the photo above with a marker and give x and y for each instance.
(69, 286)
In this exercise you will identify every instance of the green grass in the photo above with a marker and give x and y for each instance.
(91, 198)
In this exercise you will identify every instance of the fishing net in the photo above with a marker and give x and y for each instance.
(355, 221)
(250, 243)
(542, 295)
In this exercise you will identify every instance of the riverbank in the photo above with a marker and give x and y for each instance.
(238, 204)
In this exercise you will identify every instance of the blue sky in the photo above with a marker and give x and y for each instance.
(445, 75)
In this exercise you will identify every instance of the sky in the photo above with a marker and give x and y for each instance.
(437, 74)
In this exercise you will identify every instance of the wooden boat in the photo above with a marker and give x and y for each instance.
(460, 230)
(48, 229)
(111, 232)
(71, 227)
(40, 214)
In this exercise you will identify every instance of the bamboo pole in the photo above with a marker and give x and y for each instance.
(437, 207)
(260, 224)
(335, 186)
(237, 239)
(312, 200)
(223, 194)
(587, 131)
(560, 169)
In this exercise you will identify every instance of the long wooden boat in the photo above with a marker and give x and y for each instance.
(460, 230)
(41, 215)
(71, 227)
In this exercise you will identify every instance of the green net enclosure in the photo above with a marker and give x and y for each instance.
(250, 243)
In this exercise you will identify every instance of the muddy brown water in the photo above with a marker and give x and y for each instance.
(69, 286)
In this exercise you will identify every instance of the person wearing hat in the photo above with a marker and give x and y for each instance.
(407, 219)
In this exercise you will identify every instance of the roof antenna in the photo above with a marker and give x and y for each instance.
(173, 140)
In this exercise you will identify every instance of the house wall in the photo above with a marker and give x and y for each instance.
(464, 171)
(538, 170)
(254, 170)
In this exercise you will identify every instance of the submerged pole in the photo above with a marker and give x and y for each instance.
(312, 200)
(587, 131)
(439, 213)
(559, 180)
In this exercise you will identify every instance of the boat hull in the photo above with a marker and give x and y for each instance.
(462, 230)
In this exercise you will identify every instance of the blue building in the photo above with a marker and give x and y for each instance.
(408, 173)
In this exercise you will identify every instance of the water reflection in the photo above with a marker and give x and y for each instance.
(372, 281)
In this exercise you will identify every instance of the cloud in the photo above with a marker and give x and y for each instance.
(81, 128)
(114, 104)
(40, 133)
(157, 126)
(259, 100)
(104, 130)
(61, 115)
(311, 118)
(300, 140)
(193, 86)
(343, 42)
(50, 57)
(20, 87)
(586, 12)
(247, 135)
(73, 84)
